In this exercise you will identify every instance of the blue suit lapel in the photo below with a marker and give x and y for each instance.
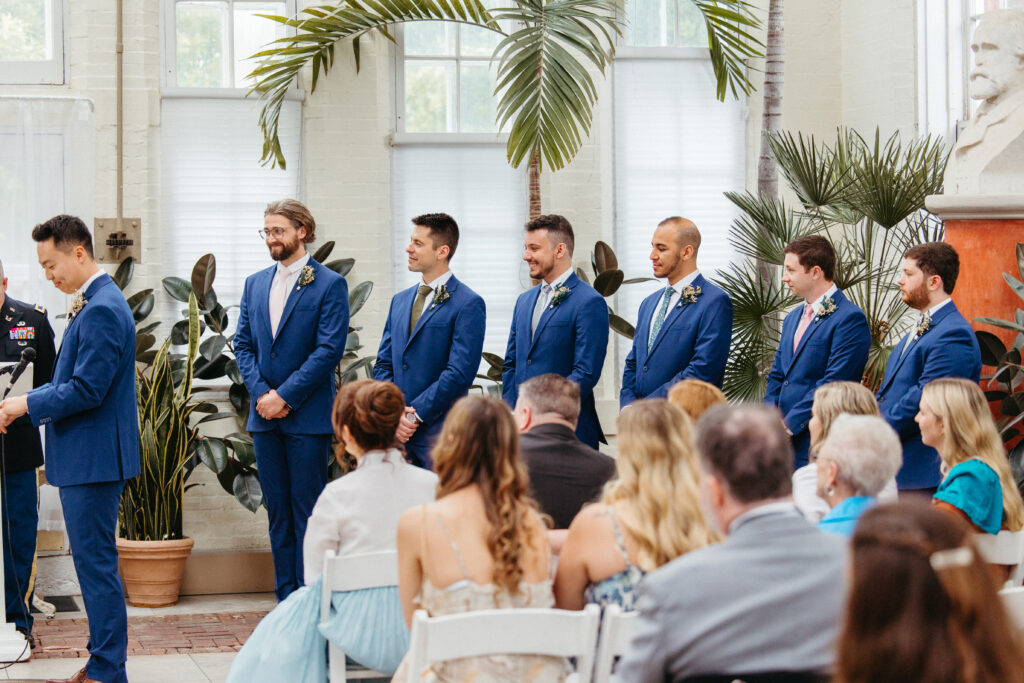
(429, 308)
(816, 323)
(400, 322)
(293, 298)
(261, 311)
(893, 366)
(571, 283)
(674, 312)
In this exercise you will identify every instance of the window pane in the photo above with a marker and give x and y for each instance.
(691, 31)
(430, 38)
(477, 42)
(24, 31)
(429, 97)
(252, 33)
(647, 22)
(201, 38)
(478, 102)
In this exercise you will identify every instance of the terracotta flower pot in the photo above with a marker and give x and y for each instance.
(152, 570)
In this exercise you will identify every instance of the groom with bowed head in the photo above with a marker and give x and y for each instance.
(559, 326)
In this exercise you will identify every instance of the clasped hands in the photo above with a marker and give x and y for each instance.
(270, 406)
(10, 410)
(406, 427)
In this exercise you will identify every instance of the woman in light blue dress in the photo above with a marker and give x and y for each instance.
(355, 514)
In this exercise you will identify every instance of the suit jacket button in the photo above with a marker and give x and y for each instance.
(405, 366)
(645, 368)
(786, 383)
(529, 361)
(273, 355)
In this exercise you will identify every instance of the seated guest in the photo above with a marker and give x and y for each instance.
(647, 518)
(767, 599)
(564, 472)
(922, 606)
(357, 513)
(977, 485)
(481, 545)
(830, 401)
(695, 396)
(859, 457)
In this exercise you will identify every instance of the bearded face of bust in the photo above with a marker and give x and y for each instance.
(999, 60)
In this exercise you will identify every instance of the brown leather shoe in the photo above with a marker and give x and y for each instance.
(80, 677)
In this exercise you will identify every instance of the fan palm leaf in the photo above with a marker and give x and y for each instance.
(765, 227)
(731, 25)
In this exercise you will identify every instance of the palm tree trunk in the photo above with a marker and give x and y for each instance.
(534, 179)
(767, 173)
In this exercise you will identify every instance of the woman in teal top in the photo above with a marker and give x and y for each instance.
(860, 455)
(955, 420)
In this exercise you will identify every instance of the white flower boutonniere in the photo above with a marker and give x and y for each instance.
(827, 308)
(440, 296)
(689, 295)
(77, 304)
(306, 276)
(923, 326)
(560, 294)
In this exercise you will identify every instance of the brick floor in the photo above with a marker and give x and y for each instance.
(174, 634)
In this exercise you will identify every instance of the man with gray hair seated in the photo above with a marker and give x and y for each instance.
(565, 473)
(859, 457)
(765, 603)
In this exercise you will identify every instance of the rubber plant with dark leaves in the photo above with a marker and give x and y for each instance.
(232, 457)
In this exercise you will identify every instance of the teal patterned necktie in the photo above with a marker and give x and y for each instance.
(659, 319)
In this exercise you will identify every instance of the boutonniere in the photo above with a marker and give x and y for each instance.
(923, 326)
(561, 294)
(440, 296)
(827, 308)
(306, 275)
(689, 296)
(77, 304)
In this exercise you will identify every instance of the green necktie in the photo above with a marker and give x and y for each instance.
(659, 319)
(417, 306)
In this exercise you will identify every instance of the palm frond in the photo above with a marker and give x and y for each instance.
(758, 305)
(319, 29)
(765, 227)
(816, 173)
(544, 85)
(731, 25)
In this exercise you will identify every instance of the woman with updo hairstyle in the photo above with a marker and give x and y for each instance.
(357, 513)
(922, 606)
(694, 396)
(480, 545)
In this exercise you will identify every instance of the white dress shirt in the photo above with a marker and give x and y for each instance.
(437, 282)
(817, 302)
(359, 512)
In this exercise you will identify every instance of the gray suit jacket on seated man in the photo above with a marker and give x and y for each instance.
(769, 598)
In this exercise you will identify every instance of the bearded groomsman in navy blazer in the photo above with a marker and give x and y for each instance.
(433, 336)
(683, 330)
(941, 344)
(291, 334)
(559, 326)
(92, 431)
(826, 339)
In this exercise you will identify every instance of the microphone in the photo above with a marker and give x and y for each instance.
(27, 356)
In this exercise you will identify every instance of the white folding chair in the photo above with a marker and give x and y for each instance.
(352, 573)
(616, 633)
(1013, 601)
(527, 631)
(1006, 547)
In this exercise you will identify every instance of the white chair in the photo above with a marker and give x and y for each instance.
(351, 573)
(1006, 547)
(616, 633)
(1013, 601)
(527, 631)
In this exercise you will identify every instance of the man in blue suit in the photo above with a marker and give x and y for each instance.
(92, 431)
(683, 330)
(433, 336)
(826, 339)
(559, 326)
(291, 334)
(941, 344)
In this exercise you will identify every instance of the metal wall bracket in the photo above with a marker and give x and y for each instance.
(115, 239)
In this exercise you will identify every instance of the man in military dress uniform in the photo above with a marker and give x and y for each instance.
(22, 326)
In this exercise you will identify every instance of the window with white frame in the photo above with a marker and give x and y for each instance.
(448, 157)
(214, 189)
(676, 148)
(31, 42)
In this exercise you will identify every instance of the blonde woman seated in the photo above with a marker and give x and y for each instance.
(695, 396)
(830, 401)
(647, 517)
(481, 545)
(860, 456)
(955, 420)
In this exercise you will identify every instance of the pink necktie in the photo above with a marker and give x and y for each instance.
(278, 295)
(805, 322)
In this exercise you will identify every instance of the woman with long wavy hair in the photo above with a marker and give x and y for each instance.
(922, 606)
(648, 516)
(480, 545)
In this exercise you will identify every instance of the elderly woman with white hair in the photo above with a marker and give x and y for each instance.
(859, 456)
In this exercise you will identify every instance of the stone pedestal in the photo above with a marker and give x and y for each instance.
(984, 230)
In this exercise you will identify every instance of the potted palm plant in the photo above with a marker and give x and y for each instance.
(151, 546)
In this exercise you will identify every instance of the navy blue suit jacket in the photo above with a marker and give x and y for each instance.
(948, 349)
(299, 363)
(834, 348)
(90, 409)
(435, 365)
(571, 340)
(692, 342)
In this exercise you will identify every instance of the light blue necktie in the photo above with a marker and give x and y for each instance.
(659, 319)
